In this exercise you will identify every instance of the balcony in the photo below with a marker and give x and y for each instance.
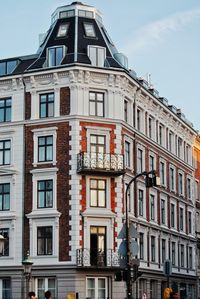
(98, 163)
(93, 258)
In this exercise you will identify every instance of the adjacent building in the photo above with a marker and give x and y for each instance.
(76, 125)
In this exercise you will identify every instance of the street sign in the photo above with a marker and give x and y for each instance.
(133, 231)
(122, 248)
(134, 247)
(122, 233)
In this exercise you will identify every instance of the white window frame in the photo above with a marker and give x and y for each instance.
(8, 179)
(162, 138)
(164, 174)
(181, 192)
(151, 154)
(54, 47)
(141, 187)
(96, 62)
(42, 133)
(129, 140)
(46, 285)
(140, 120)
(192, 221)
(182, 207)
(175, 213)
(189, 188)
(174, 178)
(164, 199)
(153, 127)
(96, 285)
(142, 148)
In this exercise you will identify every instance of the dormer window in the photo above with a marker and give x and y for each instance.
(7, 67)
(55, 56)
(89, 30)
(97, 55)
(63, 30)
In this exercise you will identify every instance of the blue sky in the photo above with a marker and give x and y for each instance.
(161, 38)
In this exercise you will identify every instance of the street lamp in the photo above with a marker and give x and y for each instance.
(2, 243)
(27, 264)
(151, 180)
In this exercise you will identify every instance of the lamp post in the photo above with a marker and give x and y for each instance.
(2, 243)
(27, 263)
(150, 182)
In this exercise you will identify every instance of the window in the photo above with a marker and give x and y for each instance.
(187, 153)
(182, 255)
(43, 284)
(151, 163)
(141, 202)
(97, 144)
(97, 287)
(63, 30)
(195, 159)
(7, 67)
(190, 258)
(44, 240)
(97, 55)
(96, 100)
(160, 134)
(162, 173)
(150, 127)
(153, 249)
(45, 194)
(5, 110)
(162, 211)
(5, 197)
(5, 151)
(181, 218)
(141, 248)
(138, 119)
(152, 207)
(163, 245)
(180, 183)
(139, 160)
(45, 148)
(189, 222)
(67, 14)
(55, 56)
(5, 233)
(46, 105)
(173, 253)
(126, 110)
(188, 188)
(98, 193)
(172, 179)
(196, 190)
(127, 154)
(86, 13)
(170, 142)
(172, 215)
(128, 196)
(89, 30)
(6, 290)
(180, 142)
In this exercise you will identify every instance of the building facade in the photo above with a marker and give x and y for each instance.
(76, 125)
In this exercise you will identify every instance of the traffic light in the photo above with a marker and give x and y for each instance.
(121, 275)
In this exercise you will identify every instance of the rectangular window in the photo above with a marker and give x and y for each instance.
(180, 183)
(141, 248)
(141, 202)
(189, 222)
(126, 110)
(98, 144)
(150, 127)
(182, 255)
(7, 67)
(63, 30)
(152, 207)
(163, 211)
(44, 284)
(89, 29)
(5, 197)
(127, 154)
(98, 193)
(153, 249)
(162, 173)
(172, 179)
(181, 218)
(190, 258)
(188, 188)
(5, 233)
(5, 152)
(5, 110)
(47, 105)
(186, 153)
(138, 119)
(44, 240)
(139, 160)
(45, 148)
(97, 287)
(173, 253)
(172, 215)
(151, 163)
(6, 288)
(160, 134)
(180, 143)
(196, 190)
(55, 56)
(97, 55)
(45, 194)
(96, 101)
(163, 245)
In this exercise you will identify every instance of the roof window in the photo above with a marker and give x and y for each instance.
(85, 14)
(89, 30)
(7, 67)
(63, 30)
(97, 55)
(67, 14)
(55, 56)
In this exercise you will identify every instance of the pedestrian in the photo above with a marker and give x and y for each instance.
(31, 295)
(47, 295)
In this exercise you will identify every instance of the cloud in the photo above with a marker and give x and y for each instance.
(154, 32)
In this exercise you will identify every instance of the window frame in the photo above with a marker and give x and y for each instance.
(4, 151)
(47, 103)
(54, 54)
(5, 232)
(59, 32)
(153, 249)
(4, 197)
(91, 29)
(45, 239)
(98, 58)
(96, 102)
(46, 146)
(97, 189)
(6, 108)
(140, 202)
(45, 192)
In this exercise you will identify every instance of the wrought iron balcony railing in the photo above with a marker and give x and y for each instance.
(96, 258)
(100, 163)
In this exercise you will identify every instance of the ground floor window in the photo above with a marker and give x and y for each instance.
(5, 288)
(153, 289)
(97, 288)
(44, 284)
(142, 287)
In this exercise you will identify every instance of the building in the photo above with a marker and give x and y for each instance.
(76, 126)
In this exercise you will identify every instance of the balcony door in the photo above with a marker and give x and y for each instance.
(97, 150)
(98, 245)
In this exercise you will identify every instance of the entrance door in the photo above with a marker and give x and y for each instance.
(98, 245)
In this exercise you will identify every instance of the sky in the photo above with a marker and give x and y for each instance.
(160, 38)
